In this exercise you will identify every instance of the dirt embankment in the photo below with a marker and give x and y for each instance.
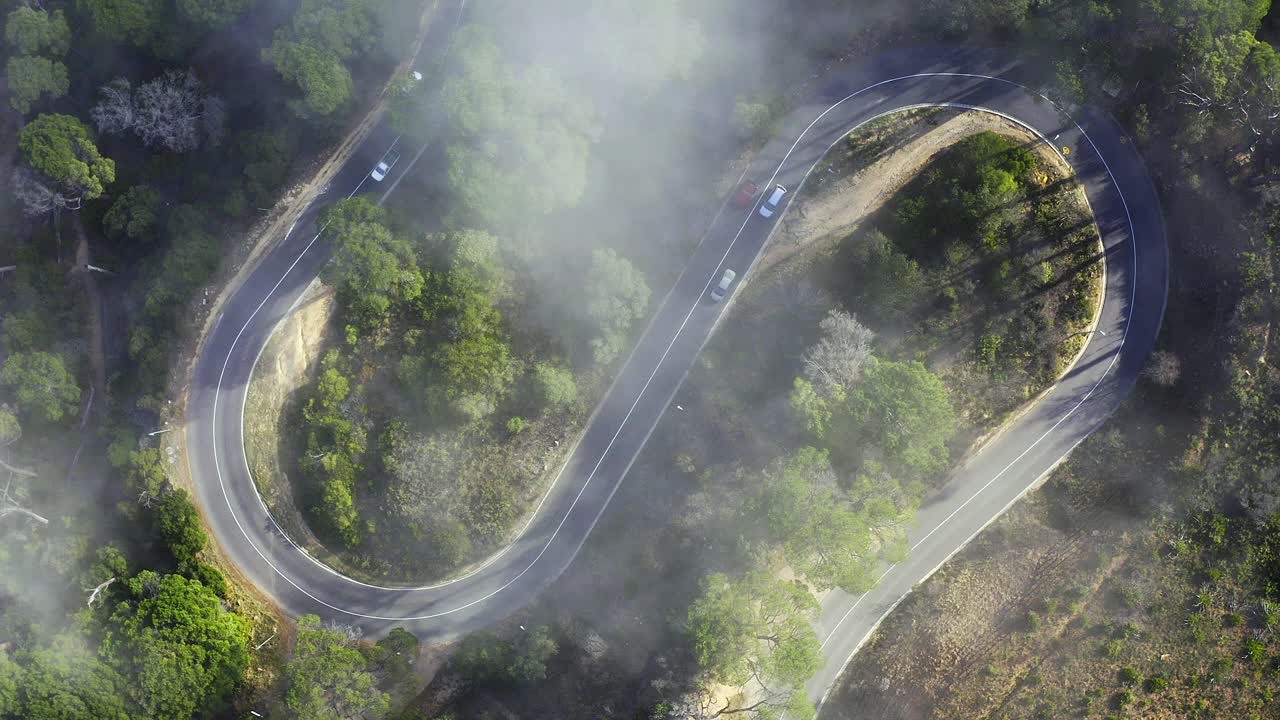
(282, 369)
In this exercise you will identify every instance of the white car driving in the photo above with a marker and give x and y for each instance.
(384, 165)
(720, 290)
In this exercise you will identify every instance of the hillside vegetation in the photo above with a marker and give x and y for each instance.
(808, 458)
(1142, 583)
(139, 144)
(479, 320)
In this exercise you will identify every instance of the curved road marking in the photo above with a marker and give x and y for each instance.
(1106, 373)
(586, 483)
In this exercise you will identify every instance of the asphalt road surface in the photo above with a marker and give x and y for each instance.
(1128, 217)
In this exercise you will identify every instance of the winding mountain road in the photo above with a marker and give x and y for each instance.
(1127, 214)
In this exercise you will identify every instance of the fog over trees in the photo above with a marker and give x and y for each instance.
(559, 160)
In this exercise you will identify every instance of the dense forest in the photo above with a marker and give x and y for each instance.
(146, 143)
(143, 140)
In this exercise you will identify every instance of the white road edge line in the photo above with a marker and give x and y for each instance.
(1115, 358)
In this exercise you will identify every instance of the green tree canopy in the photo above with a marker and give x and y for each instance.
(486, 656)
(476, 369)
(212, 14)
(134, 214)
(519, 138)
(533, 649)
(312, 49)
(832, 537)
(616, 295)
(904, 410)
(62, 148)
(960, 17)
(476, 252)
(67, 680)
(344, 28)
(10, 679)
(177, 524)
(25, 330)
(270, 153)
(10, 428)
(371, 267)
(127, 22)
(1200, 24)
(183, 652)
(885, 284)
(32, 77)
(191, 260)
(146, 473)
(757, 629)
(328, 677)
(335, 445)
(32, 31)
(555, 386)
(325, 82)
(812, 407)
(394, 655)
(470, 368)
(41, 385)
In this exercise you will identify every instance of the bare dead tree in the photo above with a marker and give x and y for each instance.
(171, 112)
(147, 499)
(115, 112)
(16, 510)
(1252, 103)
(16, 471)
(837, 360)
(1191, 91)
(9, 505)
(352, 633)
(37, 196)
(101, 586)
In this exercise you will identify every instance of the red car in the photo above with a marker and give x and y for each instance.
(746, 194)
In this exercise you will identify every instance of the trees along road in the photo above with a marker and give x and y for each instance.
(1127, 214)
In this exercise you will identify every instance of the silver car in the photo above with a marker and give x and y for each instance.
(770, 205)
(719, 291)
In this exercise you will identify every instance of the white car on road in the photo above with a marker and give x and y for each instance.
(384, 165)
(719, 291)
